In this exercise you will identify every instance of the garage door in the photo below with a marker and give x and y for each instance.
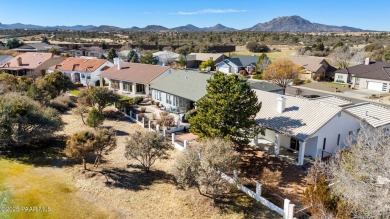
(224, 69)
(374, 86)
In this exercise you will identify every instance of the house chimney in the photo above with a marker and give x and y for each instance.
(281, 104)
(116, 60)
(19, 59)
(367, 61)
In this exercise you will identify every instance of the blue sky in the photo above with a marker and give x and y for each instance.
(366, 14)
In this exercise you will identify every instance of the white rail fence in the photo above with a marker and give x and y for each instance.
(288, 209)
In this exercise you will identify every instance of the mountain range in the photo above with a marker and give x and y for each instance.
(280, 24)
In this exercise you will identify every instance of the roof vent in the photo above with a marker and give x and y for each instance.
(367, 61)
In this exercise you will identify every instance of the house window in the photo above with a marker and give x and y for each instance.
(350, 133)
(176, 101)
(140, 88)
(88, 77)
(127, 86)
(340, 77)
(82, 75)
(157, 95)
(384, 88)
(169, 101)
(324, 144)
(338, 139)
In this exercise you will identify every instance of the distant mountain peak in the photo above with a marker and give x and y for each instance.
(296, 23)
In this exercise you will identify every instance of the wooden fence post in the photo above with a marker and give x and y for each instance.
(258, 189)
(286, 208)
(290, 211)
(173, 138)
(235, 176)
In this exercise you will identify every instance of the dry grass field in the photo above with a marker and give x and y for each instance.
(117, 189)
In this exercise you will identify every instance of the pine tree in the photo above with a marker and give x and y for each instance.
(112, 54)
(227, 110)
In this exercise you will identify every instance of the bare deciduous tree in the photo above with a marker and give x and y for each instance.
(282, 72)
(201, 165)
(345, 57)
(361, 175)
(146, 147)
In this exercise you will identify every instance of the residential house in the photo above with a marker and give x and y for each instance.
(93, 51)
(313, 66)
(82, 70)
(237, 63)
(310, 127)
(37, 47)
(32, 64)
(166, 58)
(179, 90)
(265, 86)
(370, 75)
(195, 59)
(132, 78)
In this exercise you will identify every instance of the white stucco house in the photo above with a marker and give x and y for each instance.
(82, 70)
(132, 78)
(370, 75)
(314, 128)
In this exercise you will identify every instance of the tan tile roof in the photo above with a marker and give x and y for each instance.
(79, 64)
(134, 72)
(29, 60)
(308, 62)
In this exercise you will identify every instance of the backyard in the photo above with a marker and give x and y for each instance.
(117, 189)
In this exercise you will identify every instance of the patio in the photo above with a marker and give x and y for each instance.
(285, 154)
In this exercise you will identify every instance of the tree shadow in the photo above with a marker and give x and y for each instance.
(135, 180)
(239, 202)
(49, 152)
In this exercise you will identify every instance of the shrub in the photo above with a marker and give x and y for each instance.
(257, 47)
(138, 100)
(297, 82)
(95, 118)
(258, 76)
(62, 103)
(143, 109)
(373, 46)
(308, 81)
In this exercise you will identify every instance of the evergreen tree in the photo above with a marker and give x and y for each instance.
(227, 110)
(45, 40)
(112, 54)
(133, 57)
(95, 118)
(148, 58)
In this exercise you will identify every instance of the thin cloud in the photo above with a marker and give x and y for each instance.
(210, 11)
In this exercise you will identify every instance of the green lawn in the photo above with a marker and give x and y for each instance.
(75, 92)
(337, 83)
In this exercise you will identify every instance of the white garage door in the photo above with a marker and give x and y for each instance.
(224, 69)
(374, 86)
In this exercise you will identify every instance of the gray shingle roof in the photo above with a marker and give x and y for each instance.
(301, 118)
(37, 47)
(244, 60)
(375, 70)
(373, 114)
(264, 86)
(188, 84)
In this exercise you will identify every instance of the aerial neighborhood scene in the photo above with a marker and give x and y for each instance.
(195, 109)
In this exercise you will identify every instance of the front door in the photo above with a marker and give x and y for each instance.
(76, 77)
(294, 144)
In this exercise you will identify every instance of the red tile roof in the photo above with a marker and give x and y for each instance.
(79, 64)
(134, 72)
(28, 60)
